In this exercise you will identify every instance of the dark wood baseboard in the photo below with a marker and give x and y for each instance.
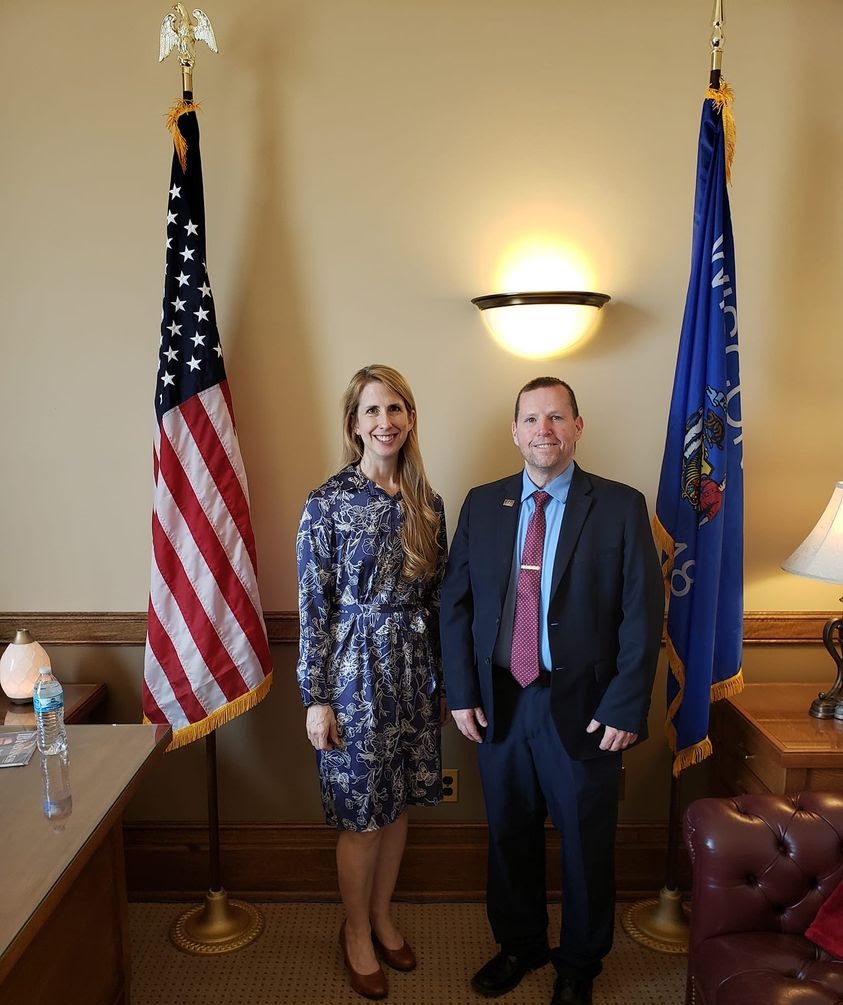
(128, 628)
(277, 862)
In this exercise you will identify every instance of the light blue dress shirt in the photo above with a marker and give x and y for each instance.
(554, 511)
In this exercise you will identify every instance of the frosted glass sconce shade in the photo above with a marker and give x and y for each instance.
(542, 324)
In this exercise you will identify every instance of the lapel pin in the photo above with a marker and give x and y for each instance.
(509, 502)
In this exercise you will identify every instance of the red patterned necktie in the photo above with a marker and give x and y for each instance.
(525, 624)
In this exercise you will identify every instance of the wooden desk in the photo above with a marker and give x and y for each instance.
(63, 912)
(765, 741)
(80, 703)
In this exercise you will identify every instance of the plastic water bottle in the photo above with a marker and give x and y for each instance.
(48, 702)
(55, 776)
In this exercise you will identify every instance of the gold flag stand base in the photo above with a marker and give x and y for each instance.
(658, 924)
(219, 925)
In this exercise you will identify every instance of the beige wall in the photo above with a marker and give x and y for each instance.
(367, 166)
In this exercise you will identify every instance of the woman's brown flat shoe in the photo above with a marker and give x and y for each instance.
(369, 985)
(403, 959)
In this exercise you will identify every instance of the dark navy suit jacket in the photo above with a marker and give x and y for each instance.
(604, 614)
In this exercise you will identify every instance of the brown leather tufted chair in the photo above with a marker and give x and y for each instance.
(762, 866)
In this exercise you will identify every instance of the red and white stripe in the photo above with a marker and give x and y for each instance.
(206, 639)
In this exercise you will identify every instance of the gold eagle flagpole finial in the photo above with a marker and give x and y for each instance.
(177, 31)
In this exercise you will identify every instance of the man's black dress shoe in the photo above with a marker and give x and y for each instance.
(504, 972)
(571, 991)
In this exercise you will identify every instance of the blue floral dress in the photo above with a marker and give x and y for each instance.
(369, 647)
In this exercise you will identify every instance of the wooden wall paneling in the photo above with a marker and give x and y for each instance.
(119, 628)
(286, 862)
(296, 861)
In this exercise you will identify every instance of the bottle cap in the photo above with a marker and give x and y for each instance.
(43, 670)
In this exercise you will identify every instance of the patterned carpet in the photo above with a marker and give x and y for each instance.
(296, 961)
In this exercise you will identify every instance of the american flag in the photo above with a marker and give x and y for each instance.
(207, 655)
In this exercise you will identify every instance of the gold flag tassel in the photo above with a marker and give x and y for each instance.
(180, 107)
(723, 98)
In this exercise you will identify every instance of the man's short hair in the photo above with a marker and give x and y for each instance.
(538, 382)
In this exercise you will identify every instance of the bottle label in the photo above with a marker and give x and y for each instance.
(53, 704)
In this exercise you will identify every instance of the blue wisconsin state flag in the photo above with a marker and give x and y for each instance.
(699, 510)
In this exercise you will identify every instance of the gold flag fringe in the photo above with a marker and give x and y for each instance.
(676, 667)
(196, 730)
(691, 755)
(723, 98)
(727, 688)
(180, 107)
(666, 545)
(721, 689)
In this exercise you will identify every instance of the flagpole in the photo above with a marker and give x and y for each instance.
(662, 924)
(717, 40)
(219, 925)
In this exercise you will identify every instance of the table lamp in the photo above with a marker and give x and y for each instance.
(19, 666)
(820, 556)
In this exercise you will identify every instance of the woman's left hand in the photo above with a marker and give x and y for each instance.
(321, 727)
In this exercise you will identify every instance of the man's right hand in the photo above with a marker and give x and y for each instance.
(469, 722)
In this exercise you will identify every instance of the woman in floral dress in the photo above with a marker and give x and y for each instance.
(371, 552)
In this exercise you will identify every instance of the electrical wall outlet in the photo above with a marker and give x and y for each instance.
(450, 785)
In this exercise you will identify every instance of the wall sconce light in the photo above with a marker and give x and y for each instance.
(19, 666)
(820, 556)
(542, 324)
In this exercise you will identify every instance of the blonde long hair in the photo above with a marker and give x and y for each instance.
(420, 527)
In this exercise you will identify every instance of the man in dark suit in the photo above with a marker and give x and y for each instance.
(551, 623)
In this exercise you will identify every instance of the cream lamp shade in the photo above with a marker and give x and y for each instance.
(19, 666)
(820, 556)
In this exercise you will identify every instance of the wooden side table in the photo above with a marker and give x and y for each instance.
(81, 701)
(765, 741)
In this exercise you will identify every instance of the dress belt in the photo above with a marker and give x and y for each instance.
(544, 679)
(384, 609)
